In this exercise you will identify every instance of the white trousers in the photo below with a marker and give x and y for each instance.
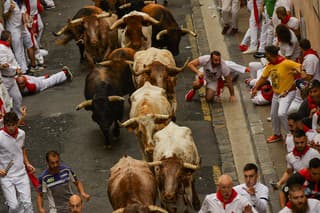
(230, 11)
(54, 79)
(252, 32)
(279, 112)
(20, 186)
(14, 92)
(254, 67)
(266, 35)
(49, 2)
(18, 49)
(234, 67)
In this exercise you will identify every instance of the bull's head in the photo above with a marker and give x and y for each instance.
(145, 126)
(133, 23)
(171, 173)
(172, 38)
(137, 208)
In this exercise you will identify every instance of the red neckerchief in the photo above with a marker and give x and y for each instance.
(310, 51)
(256, 13)
(233, 195)
(286, 19)
(311, 104)
(220, 86)
(305, 128)
(288, 205)
(305, 174)
(278, 60)
(300, 154)
(14, 135)
(5, 43)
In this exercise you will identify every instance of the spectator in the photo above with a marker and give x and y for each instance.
(300, 156)
(75, 204)
(56, 181)
(288, 43)
(226, 199)
(291, 22)
(229, 11)
(214, 68)
(254, 191)
(281, 3)
(31, 85)
(282, 73)
(14, 165)
(310, 61)
(298, 201)
(9, 68)
(284, 193)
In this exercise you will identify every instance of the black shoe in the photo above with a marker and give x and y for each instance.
(225, 29)
(259, 55)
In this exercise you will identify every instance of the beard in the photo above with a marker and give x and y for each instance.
(300, 209)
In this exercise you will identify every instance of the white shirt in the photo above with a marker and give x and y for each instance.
(15, 20)
(259, 200)
(213, 73)
(311, 65)
(314, 207)
(296, 163)
(212, 204)
(11, 149)
(290, 51)
(6, 56)
(293, 23)
(290, 143)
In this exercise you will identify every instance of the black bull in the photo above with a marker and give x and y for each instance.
(104, 87)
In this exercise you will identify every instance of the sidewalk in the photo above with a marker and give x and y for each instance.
(241, 128)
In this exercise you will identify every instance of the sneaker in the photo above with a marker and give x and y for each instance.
(274, 138)
(190, 95)
(269, 118)
(247, 81)
(234, 31)
(49, 7)
(36, 69)
(250, 50)
(68, 73)
(243, 47)
(258, 55)
(225, 29)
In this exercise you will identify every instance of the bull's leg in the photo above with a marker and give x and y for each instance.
(116, 130)
(81, 51)
(195, 199)
(105, 132)
(90, 59)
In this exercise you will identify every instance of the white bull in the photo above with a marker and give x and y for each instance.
(177, 154)
(150, 111)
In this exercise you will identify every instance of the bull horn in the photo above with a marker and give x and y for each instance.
(103, 15)
(128, 122)
(161, 33)
(117, 24)
(161, 116)
(152, 20)
(190, 166)
(76, 21)
(175, 69)
(123, 6)
(63, 29)
(128, 62)
(185, 30)
(149, 2)
(113, 98)
(105, 63)
(155, 163)
(154, 208)
(121, 210)
(84, 104)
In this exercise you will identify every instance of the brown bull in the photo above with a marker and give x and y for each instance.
(135, 32)
(159, 68)
(132, 187)
(167, 33)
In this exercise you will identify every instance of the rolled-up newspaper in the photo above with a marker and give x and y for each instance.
(10, 164)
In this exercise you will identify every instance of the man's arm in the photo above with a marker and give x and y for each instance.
(285, 177)
(80, 188)
(40, 202)
(9, 12)
(258, 84)
(228, 79)
(261, 202)
(193, 66)
(26, 161)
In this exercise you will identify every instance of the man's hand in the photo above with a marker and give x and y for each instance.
(312, 111)
(12, 6)
(232, 98)
(41, 210)
(4, 66)
(254, 92)
(200, 75)
(251, 191)
(23, 110)
(30, 168)
(85, 196)
(19, 72)
(3, 173)
(247, 209)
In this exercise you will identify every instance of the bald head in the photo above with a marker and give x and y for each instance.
(225, 185)
(75, 204)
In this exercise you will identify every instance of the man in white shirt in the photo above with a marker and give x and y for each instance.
(254, 191)
(226, 200)
(291, 22)
(300, 156)
(310, 61)
(298, 202)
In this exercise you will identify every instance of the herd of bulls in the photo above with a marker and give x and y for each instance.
(120, 40)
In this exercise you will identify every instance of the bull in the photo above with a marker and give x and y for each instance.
(104, 87)
(132, 187)
(176, 158)
(167, 33)
(75, 29)
(148, 116)
(159, 67)
(135, 30)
